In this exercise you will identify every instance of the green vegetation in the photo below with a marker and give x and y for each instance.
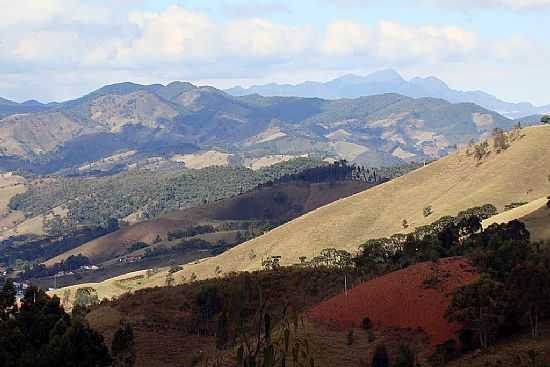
(102, 202)
(39, 333)
(545, 119)
(97, 201)
(123, 347)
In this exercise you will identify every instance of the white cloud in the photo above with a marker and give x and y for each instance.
(261, 38)
(513, 4)
(395, 42)
(345, 38)
(47, 45)
(462, 4)
(175, 34)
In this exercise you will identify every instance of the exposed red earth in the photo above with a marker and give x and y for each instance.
(402, 299)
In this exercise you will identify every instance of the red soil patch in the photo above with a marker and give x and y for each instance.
(402, 300)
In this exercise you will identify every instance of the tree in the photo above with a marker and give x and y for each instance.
(427, 211)
(222, 332)
(478, 307)
(545, 119)
(8, 305)
(40, 333)
(86, 297)
(380, 357)
(530, 289)
(405, 357)
(78, 346)
(481, 150)
(123, 348)
(500, 141)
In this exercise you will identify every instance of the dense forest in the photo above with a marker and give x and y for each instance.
(95, 201)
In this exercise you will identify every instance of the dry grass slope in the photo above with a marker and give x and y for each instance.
(452, 184)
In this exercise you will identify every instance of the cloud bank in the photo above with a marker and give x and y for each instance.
(62, 48)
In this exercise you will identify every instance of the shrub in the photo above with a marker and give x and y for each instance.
(350, 337)
(380, 358)
(405, 357)
(367, 323)
(427, 211)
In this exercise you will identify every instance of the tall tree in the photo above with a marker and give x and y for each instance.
(380, 357)
(478, 307)
(8, 304)
(530, 288)
(123, 348)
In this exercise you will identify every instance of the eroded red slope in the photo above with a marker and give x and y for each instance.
(402, 300)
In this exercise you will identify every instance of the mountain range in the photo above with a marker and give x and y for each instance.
(390, 81)
(171, 122)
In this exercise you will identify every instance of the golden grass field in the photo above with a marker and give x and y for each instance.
(454, 183)
(10, 185)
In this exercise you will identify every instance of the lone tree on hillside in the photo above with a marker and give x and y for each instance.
(500, 140)
(545, 119)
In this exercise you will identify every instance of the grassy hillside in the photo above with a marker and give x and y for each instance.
(535, 215)
(450, 185)
(517, 174)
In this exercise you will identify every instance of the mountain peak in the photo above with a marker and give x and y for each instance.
(380, 76)
(431, 82)
(7, 102)
(386, 75)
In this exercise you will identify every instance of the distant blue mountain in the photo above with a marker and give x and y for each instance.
(390, 81)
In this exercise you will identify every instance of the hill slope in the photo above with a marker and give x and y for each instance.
(401, 300)
(535, 215)
(167, 121)
(279, 203)
(452, 184)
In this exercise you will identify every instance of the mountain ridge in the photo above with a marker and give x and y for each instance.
(158, 120)
(390, 81)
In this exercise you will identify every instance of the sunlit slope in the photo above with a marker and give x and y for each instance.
(452, 184)
(535, 215)
(518, 174)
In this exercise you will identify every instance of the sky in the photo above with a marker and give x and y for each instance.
(53, 50)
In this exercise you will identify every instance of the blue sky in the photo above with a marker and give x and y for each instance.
(59, 49)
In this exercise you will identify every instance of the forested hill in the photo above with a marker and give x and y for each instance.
(147, 194)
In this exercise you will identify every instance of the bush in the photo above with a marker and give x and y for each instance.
(380, 358)
(427, 211)
(367, 323)
(405, 357)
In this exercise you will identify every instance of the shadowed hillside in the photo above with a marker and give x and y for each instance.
(278, 204)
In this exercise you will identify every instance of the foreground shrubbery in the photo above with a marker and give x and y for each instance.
(38, 333)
